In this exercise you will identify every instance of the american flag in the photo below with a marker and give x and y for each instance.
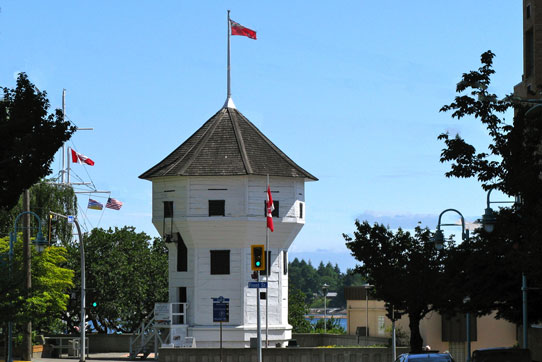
(113, 204)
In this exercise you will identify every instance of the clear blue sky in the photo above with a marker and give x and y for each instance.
(350, 90)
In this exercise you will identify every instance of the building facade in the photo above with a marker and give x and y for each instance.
(209, 205)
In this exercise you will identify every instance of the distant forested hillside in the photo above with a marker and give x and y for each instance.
(308, 279)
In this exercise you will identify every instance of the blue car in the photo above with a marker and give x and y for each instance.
(425, 357)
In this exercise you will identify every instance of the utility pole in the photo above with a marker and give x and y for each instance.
(27, 256)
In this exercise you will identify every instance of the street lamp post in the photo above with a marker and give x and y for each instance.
(438, 239)
(324, 290)
(488, 221)
(82, 328)
(40, 243)
(367, 286)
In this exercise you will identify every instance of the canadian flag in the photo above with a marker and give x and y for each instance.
(270, 208)
(79, 158)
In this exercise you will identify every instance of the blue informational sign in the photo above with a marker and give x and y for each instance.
(257, 285)
(221, 309)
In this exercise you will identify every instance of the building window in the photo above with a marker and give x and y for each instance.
(217, 207)
(220, 262)
(285, 261)
(263, 295)
(168, 209)
(178, 309)
(267, 257)
(275, 212)
(529, 53)
(528, 11)
(301, 210)
(182, 254)
(381, 325)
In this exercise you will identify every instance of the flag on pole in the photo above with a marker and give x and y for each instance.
(79, 158)
(270, 208)
(238, 29)
(94, 205)
(113, 204)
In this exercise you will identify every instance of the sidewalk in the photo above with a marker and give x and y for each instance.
(102, 357)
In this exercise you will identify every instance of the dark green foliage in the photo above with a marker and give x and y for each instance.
(126, 273)
(45, 197)
(297, 309)
(304, 277)
(30, 138)
(488, 268)
(404, 268)
(333, 326)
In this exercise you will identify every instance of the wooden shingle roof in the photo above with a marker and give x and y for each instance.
(228, 144)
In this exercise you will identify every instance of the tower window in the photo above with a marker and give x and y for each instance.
(528, 11)
(220, 262)
(285, 261)
(529, 53)
(168, 209)
(275, 212)
(301, 210)
(217, 207)
(182, 255)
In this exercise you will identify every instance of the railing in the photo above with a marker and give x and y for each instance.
(70, 347)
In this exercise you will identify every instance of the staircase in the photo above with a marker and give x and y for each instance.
(154, 332)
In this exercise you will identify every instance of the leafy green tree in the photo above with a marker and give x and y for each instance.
(488, 268)
(297, 309)
(30, 138)
(126, 273)
(50, 284)
(404, 268)
(45, 197)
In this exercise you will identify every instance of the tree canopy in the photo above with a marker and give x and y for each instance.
(31, 137)
(488, 268)
(50, 284)
(126, 273)
(404, 269)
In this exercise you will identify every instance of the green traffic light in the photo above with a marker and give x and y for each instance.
(94, 304)
(258, 263)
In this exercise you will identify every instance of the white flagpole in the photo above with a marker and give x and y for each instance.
(267, 268)
(63, 176)
(229, 67)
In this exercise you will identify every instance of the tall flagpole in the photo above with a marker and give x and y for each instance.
(229, 67)
(267, 267)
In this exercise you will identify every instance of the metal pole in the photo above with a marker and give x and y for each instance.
(83, 296)
(366, 317)
(524, 295)
(267, 268)
(325, 311)
(468, 337)
(229, 80)
(63, 147)
(220, 341)
(27, 257)
(12, 239)
(393, 337)
(258, 323)
(69, 162)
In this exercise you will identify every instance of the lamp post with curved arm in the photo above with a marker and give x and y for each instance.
(488, 221)
(40, 243)
(438, 240)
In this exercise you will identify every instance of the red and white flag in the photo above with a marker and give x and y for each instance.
(238, 29)
(79, 158)
(270, 208)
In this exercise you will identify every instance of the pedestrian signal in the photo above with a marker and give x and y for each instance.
(257, 259)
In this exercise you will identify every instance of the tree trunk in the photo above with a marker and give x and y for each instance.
(416, 341)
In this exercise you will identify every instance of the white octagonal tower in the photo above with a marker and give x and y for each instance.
(209, 204)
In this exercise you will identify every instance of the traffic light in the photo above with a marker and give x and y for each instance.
(257, 259)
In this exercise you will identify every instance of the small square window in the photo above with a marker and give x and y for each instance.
(275, 212)
(220, 262)
(263, 295)
(217, 207)
(168, 209)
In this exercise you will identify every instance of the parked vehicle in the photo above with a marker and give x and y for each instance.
(425, 357)
(501, 355)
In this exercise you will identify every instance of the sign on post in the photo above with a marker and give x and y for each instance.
(162, 312)
(71, 219)
(221, 309)
(260, 285)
